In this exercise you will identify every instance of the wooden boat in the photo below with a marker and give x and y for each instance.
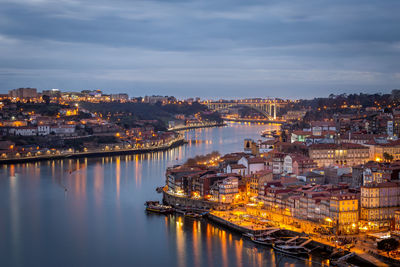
(269, 134)
(291, 249)
(155, 206)
(192, 215)
(266, 241)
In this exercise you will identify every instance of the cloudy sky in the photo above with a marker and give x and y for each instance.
(209, 48)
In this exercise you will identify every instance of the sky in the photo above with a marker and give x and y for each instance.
(209, 48)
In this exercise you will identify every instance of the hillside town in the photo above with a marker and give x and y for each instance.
(334, 178)
(52, 124)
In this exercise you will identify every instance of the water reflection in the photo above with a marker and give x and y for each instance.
(89, 212)
(220, 247)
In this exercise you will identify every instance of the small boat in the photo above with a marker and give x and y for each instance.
(267, 241)
(192, 215)
(291, 250)
(155, 206)
(269, 135)
(249, 235)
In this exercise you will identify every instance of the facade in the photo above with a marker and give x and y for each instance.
(253, 164)
(258, 180)
(379, 201)
(43, 130)
(66, 130)
(397, 221)
(228, 189)
(298, 164)
(344, 212)
(236, 168)
(378, 150)
(23, 131)
(338, 154)
(23, 93)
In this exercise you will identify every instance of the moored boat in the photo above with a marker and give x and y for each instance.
(267, 241)
(155, 206)
(291, 250)
(192, 215)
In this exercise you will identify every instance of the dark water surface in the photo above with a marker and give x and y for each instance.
(90, 212)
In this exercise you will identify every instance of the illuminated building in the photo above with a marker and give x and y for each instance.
(379, 201)
(338, 154)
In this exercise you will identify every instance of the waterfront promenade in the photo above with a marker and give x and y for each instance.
(93, 152)
(243, 221)
(252, 120)
(196, 126)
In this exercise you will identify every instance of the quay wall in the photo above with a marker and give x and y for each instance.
(229, 225)
(89, 154)
(175, 201)
(196, 127)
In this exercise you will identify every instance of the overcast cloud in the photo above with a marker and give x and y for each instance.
(204, 48)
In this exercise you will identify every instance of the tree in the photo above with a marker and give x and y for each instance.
(46, 99)
(387, 157)
(388, 244)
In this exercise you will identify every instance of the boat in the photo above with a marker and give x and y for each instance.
(155, 206)
(291, 249)
(192, 215)
(269, 134)
(267, 241)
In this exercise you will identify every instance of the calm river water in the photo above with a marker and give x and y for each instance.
(90, 212)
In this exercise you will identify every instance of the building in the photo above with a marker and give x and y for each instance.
(43, 130)
(335, 174)
(64, 130)
(338, 154)
(228, 189)
(258, 180)
(313, 178)
(397, 221)
(344, 212)
(251, 147)
(253, 164)
(379, 149)
(298, 164)
(379, 202)
(276, 161)
(236, 168)
(119, 97)
(23, 131)
(373, 171)
(23, 93)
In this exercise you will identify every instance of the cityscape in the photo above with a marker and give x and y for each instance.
(199, 133)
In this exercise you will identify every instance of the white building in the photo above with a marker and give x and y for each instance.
(236, 168)
(253, 164)
(23, 131)
(228, 189)
(288, 164)
(43, 130)
(63, 130)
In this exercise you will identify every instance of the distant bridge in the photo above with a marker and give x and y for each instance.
(266, 107)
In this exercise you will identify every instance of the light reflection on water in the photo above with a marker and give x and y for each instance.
(89, 212)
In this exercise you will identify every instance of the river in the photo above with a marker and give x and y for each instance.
(90, 212)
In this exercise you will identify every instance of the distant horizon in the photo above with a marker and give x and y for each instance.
(115, 91)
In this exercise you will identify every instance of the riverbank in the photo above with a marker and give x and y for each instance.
(239, 220)
(229, 222)
(203, 125)
(253, 120)
(97, 153)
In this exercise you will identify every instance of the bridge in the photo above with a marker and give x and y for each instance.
(267, 107)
